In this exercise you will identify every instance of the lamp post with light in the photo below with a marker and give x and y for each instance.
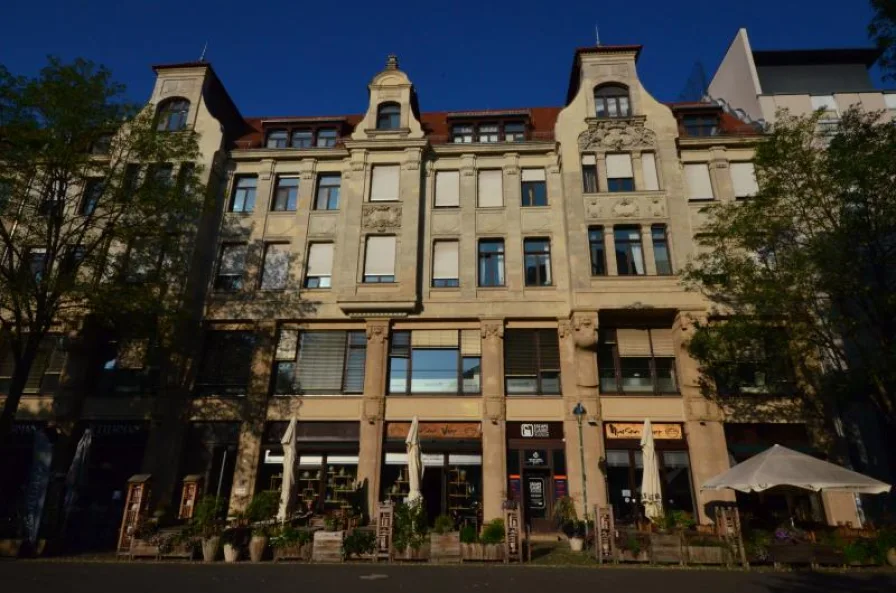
(579, 412)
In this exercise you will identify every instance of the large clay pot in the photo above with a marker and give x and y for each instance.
(576, 544)
(891, 556)
(210, 547)
(231, 553)
(257, 546)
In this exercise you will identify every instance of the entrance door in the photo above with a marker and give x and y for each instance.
(432, 488)
(536, 497)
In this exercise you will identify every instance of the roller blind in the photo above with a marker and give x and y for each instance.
(662, 342)
(470, 343)
(549, 349)
(276, 266)
(648, 162)
(448, 188)
(533, 175)
(233, 259)
(355, 362)
(320, 259)
(619, 166)
(589, 159)
(288, 344)
(380, 256)
(491, 188)
(633, 342)
(444, 260)
(384, 186)
(434, 338)
(520, 357)
(320, 364)
(743, 178)
(699, 185)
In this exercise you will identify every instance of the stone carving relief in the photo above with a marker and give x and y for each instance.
(564, 329)
(658, 207)
(377, 333)
(492, 331)
(495, 409)
(374, 409)
(593, 208)
(381, 217)
(608, 135)
(585, 332)
(625, 208)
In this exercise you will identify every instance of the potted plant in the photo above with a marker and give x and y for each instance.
(207, 525)
(487, 546)
(444, 541)
(575, 532)
(358, 543)
(261, 511)
(234, 540)
(409, 532)
(567, 520)
(290, 543)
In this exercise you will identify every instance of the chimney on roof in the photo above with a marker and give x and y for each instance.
(391, 62)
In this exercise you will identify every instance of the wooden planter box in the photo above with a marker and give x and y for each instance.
(482, 552)
(791, 553)
(666, 548)
(445, 548)
(630, 556)
(141, 548)
(302, 552)
(9, 548)
(706, 555)
(327, 546)
(410, 554)
(185, 551)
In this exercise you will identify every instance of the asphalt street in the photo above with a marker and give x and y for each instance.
(148, 577)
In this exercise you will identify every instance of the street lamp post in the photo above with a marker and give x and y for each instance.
(579, 412)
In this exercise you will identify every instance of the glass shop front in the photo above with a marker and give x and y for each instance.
(536, 470)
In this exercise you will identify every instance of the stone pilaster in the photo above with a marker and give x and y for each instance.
(494, 456)
(638, 170)
(602, 182)
(649, 257)
(610, 251)
(373, 409)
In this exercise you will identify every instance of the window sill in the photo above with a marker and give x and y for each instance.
(701, 200)
(489, 208)
(434, 395)
(317, 289)
(545, 207)
(272, 290)
(638, 394)
(444, 288)
(492, 288)
(316, 395)
(322, 211)
(240, 213)
(282, 212)
(533, 395)
(540, 287)
(393, 284)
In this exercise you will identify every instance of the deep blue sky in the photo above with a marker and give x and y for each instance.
(315, 57)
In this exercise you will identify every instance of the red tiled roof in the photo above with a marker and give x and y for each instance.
(728, 124)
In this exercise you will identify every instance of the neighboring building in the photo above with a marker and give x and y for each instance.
(483, 271)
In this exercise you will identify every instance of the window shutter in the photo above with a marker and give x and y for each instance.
(356, 361)
(288, 344)
(320, 259)
(648, 162)
(549, 349)
(532, 175)
(448, 188)
(519, 352)
(276, 266)
(233, 259)
(470, 342)
(132, 354)
(445, 260)
(743, 178)
(384, 187)
(619, 166)
(400, 344)
(434, 338)
(380, 256)
(633, 342)
(491, 188)
(320, 363)
(662, 342)
(589, 159)
(699, 185)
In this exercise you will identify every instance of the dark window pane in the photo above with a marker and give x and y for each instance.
(619, 184)
(661, 249)
(636, 375)
(398, 375)
(629, 256)
(537, 253)
(491, 262)
(302, 139)
(598, 255)
(326, 138)
(559, 456)
(606, 367)
(243, 199)
(678, 495)
(589, 179)
(286, 194)
(665, 375)
(276, 139)
(535, 193)
(388, 116)
(226, 363)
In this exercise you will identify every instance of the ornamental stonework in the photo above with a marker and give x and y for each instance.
(381, 217)
(612, 135)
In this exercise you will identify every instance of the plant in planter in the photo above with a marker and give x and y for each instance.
(234, 539)
(260, 512)
(567, 520)
(207, 525)
(409, 529)
(444, 541)
(290, 543)
(488, 546)
(358, 543)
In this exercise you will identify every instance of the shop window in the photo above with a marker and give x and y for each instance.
(172, 115)
(243, 199)
(598, 251)
(328, 187)
(452, 484)
(612, 101)
(629, 255)
(435, 361)
(531, 362)
(325, 481)
(286, 194)
(320, 362)
(636, 361)
(43, 377)
(625, 469)
(491, 262)
(226, 363)
(537, 261)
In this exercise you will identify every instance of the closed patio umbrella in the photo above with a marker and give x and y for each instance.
(415, 462)
(651, 494)
(76, 478)
(289, 470)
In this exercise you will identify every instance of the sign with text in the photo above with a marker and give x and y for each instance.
(537, 457)
(634, 430)
(535, 430)
(535, 489)
(436, 430)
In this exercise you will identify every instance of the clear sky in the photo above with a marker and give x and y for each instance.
(315, 57)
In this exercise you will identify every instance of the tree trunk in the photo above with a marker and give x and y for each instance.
(16, 389)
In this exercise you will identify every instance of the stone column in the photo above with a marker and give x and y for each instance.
(602, 183)
(638, 170)
(647, 244)
(373, 410)
(255, 414)
(494, 440)
(610, 250)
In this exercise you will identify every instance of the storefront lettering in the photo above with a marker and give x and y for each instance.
(535, 430)
(532, 430)
(535, 488)
(634, 430)
(537, 457)
(436, 430)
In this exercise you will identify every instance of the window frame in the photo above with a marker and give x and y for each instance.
(523, 198)
(700, 125)
(264, 260)
(218, 276)
(329, 194)
(540, 369)
(590, 178)
(617, 365)
(275, 206)
(409, 372)
(202, 388)
(444, 282)
(89, 203)
(501, 134)
(348, 347)
(603, 249)
(286, 138)
(307, 278)
(527, 241)
(499, 256)
(388, 121)
(379, 278)
(314, 130)
(629, 242)
(166, 114)
(661, 230)
(612, 93)
(236, 189)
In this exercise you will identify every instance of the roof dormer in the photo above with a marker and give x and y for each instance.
(392, 112)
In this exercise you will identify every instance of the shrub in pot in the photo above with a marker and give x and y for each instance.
(410, 530)
(207, 525)
(488, 545)
(291, 543)
(358, 543)
(444, 540)
(261, 511)
(233, 540)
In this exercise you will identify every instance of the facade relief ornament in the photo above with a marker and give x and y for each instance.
(610, 135)
(377, 333)
(585, 331)
(718, 164)
(593, 208)
(625, 208)
(657, 207)
(492, 331)
(381, 217)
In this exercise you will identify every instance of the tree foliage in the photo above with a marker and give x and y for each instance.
(803, 274)
(97, 210)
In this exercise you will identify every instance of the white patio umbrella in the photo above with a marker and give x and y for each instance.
(780, 466)
(415, 462)
(651, 494)
(76, 478)
(289, 470)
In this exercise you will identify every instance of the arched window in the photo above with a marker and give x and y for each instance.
(173, 115)
(611, 100)
(388, 116)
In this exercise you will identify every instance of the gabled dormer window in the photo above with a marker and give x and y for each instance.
(696, 126)
(172, 116)
(612, 101)
(276, 139)
(388, 116)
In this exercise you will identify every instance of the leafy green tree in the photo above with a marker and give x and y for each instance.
(803, 275)
(97, 209)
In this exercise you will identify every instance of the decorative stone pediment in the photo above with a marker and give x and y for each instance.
(381, 217)
(635, 206)
(617, 134)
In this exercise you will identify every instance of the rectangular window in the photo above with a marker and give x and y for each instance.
(37, 263)
(275, 271)
(537, 261)
(638, 361)
(491, 188)
(231, 267)
(534, 188)
(488, 132)
(648, 164)
(53, 199)
(276, 139)
(435, 362)
(445, 264)
(696, 126)
(629, 255)
(462, 134)
(598, 251)
(143, 260)
(243, 199)
(620, 176)
(515, 132)
(286, 194)
(43, 377)
(531, 362)
(326, 138)
(320, 265)
(447, 189)
(743, 178)
(661, 249)
(379, 261)
(302, 138)
(226, 363)
(589, 174)
(699, 185)
(491, 262)
(320, 362)
(384, 185)
(328, 187)
(93, 191)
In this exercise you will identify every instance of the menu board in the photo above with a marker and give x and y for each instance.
(535, 487)
(516, 487)
(561, 487)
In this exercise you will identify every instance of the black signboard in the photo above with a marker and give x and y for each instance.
(535, 430)
(535, 491)
(536, 457)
